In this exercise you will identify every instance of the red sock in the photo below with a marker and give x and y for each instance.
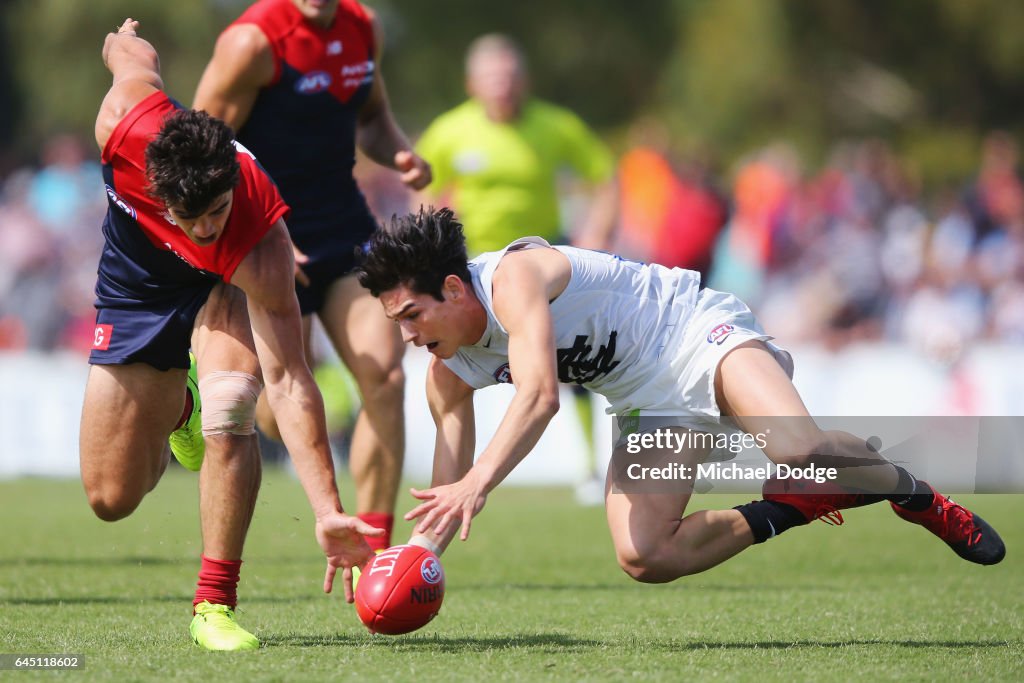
(218, 582)
(381, 521)
(187, 412)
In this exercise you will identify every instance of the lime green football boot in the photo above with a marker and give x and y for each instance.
(214, 627)
(357, 572)
(187, 441)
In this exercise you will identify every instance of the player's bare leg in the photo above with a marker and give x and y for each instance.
(655, 543)
(371, 347)
(127, 414)
(752, 387)
(230, 476)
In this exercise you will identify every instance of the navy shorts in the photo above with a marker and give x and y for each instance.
(146, 304)
(331, 245)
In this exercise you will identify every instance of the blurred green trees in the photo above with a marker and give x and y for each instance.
(928, 75)
(55, 48)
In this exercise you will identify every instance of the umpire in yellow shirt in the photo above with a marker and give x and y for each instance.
(497, 156)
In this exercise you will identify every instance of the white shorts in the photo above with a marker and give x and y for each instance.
(685, 393)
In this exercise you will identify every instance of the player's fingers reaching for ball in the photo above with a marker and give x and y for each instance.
(428, 520)
(419, 510)
(426, 494)
(443, 523)
(329, 577)
(367, 529)
(467, 521)
(430, 502)
(346, 581)
(341, 524)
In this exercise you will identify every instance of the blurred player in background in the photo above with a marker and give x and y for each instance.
(300, 81)
(197, 254)
(499, 155)
(652, 341)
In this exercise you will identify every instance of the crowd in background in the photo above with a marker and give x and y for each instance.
(50, 242)
(854, 250)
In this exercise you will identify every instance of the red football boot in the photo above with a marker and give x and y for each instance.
(813, 500)
(970, 537)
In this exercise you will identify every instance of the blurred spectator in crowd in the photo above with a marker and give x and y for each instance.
(28, 268)
(996, 198)
(48, 247)
(763, 187)
(497, 157)
(66, 184)
(670, 212)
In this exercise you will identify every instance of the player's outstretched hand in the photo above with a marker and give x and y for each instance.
(414, 169)
(458, 502)
(341, 537)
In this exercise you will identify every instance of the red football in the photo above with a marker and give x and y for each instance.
(400, 590)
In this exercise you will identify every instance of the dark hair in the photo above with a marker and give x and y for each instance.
(191, 162)
(418, 250)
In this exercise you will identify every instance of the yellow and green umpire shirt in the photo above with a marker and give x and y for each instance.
(502, 176)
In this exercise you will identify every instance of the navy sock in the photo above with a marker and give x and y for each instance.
(911, 494)
(768, 518)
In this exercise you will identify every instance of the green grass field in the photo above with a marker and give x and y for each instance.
(534, 595)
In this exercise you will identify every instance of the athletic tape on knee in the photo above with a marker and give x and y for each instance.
(229, 403)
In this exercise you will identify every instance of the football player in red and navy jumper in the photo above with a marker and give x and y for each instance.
(300, 81)
(197, 255)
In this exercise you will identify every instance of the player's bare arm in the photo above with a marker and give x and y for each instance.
(135, 66)
(451, 405)
(378, 134)
(265, 276)
(523, 286)
(242, 63)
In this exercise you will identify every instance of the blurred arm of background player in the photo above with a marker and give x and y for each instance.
(379, 136)
(242, 64)
(598, 230)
